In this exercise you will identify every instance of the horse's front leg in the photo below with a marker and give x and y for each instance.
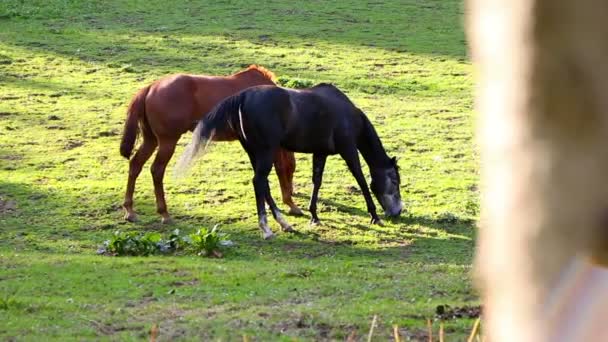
(318, 165)
(352, 160)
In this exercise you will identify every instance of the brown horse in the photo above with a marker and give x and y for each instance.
(169, 107)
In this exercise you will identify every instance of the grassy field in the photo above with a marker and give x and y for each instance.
(69, 68)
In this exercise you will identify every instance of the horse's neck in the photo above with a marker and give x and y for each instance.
(371, 148)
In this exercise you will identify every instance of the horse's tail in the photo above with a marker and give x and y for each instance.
(135, 113)
(217, 119)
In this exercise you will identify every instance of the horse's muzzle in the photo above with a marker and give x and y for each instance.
(394, 212)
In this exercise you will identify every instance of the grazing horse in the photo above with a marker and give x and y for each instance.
(168, 108)
(320, 120)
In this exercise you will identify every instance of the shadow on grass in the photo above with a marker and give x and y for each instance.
(452, 224)
(49, 221)
(47, 90)
(43, 218)
(114, 32)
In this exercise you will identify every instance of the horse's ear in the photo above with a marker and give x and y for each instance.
(394, 160)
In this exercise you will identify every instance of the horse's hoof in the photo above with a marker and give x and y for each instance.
(295, 211)
(268, 235)
(378, 222)
(166, 220)
(315, 222)
(131, 217)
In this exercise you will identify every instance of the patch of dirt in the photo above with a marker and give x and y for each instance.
(113, 328)
(72, 144)
(9, 97)
(446, 312)
(107, 133)
(190, 191)
(323, 330)
(169, 318)
(447, 217)
(45, 166)
(36, 197)
(413, 334)
(353, 190)
(11, 157)
(113, 208)
(7, 206)
(301, 273)
(180, 283)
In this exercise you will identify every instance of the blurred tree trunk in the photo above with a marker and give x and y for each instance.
(542, 68)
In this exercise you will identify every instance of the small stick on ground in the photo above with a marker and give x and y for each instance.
(396, 333)
(474, 331)
(153, 332)
(440, 331)
(430, 329)
(371, 329)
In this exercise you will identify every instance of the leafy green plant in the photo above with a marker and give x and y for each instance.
(7, 300)
(175, 241)
(207, 242)
(130, 243)
(204, 242)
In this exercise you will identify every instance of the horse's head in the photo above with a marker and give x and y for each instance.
(385, 186)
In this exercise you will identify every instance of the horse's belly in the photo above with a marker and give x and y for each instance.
(308, 144)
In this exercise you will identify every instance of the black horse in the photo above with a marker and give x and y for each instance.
(320, 120)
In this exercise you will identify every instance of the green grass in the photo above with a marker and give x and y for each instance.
(67, 72)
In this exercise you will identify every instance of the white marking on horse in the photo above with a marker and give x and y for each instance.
(267, 233)
(241, 123)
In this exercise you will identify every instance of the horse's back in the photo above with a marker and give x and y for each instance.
(320, 119)
(175, 102)
(339, 113)
(333, 97)
(307, 120)
(267, 103)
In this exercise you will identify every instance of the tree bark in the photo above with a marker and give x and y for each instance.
(542, 96)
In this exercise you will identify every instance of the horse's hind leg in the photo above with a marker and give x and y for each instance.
(262, 164)
(285, 166)
(166, 147)
(286, 227)
(135, 165)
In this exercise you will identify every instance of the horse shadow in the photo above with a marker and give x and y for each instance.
(452, 224)
(339, 206)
